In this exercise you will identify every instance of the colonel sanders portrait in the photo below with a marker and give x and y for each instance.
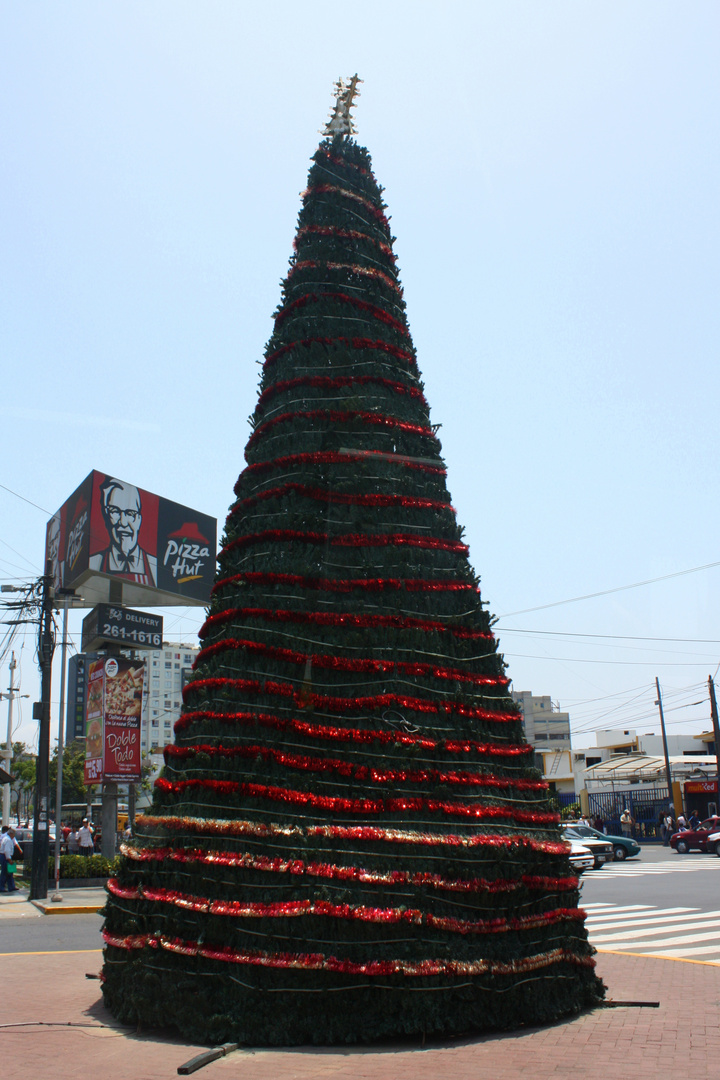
(122, 512)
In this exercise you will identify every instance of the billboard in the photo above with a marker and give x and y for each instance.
(114, 707)
(121, 626)
(120, 544)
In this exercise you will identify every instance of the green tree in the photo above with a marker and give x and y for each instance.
(349, 811)
(22, 769)
(73, 773)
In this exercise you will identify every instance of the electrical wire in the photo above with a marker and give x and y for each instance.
(607, 592)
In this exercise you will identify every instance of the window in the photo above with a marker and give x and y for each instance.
(187, 659)
(167, 703)
(177, 667)
(168, 665)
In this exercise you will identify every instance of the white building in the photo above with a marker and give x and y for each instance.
(547, 728)
(168, 670)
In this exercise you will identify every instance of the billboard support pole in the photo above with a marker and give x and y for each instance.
(41, 832)
(109, 819)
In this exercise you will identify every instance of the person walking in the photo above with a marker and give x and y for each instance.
(73, 842)
(9, 848)
(668, 828)
(85, 838)
(626, 822)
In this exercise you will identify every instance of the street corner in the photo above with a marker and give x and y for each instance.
(17, 905)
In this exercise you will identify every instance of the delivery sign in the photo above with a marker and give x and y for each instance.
(114, 706)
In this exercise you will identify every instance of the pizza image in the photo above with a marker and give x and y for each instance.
(123, 693)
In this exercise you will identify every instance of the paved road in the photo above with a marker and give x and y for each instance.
(660, 904)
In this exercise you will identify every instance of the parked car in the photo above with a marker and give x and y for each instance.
(695, 839)
(624, 847)
(581, 858)
(602, 850)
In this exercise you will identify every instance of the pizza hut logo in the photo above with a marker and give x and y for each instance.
(188, 549)
(77, 533)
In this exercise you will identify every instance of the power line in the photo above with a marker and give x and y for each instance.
(606, 592)
(28, 501)
(618, 637)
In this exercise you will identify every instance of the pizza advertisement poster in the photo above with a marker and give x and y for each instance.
(94, 714)
(124, 685)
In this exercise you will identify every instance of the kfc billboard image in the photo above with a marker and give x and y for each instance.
(156, 552)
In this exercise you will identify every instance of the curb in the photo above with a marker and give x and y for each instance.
(47, 907)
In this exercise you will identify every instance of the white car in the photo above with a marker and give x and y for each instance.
(581, 858)
(602, 850)
(713, 842)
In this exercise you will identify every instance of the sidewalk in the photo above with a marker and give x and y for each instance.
(681, 1037)
(74, 902)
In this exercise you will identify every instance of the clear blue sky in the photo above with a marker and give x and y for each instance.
(552, 175)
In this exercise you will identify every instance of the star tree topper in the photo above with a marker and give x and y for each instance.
(340, 122)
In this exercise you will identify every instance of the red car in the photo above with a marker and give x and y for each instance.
(695, 839)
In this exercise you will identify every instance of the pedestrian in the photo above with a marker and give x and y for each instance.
(681, 823)
(582, 820)
(693, 820)
(73, 842)
(598, 824)
(9, 848)
(85, 838)
(668, 828)
(626, 822)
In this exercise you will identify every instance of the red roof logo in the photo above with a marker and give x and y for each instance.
(189, 531)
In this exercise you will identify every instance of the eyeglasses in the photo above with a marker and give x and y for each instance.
(114, 513)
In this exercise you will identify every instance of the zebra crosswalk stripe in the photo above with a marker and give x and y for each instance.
(669, 932)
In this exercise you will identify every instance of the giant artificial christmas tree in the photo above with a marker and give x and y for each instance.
(348, 839)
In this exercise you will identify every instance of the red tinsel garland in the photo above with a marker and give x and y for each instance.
(343, 298)
(304, 698)
(350, 343)
(327, 189)
(344, 663)
(345, 585)
(336, 416)
(350, 735)
(319, 962)
(341, 498)
(353, 268)
(353, 770)
(343, 234)
(331, 871)
(359, 912)
(334, 457)
(341, 161)
(339, 804)
(429, 543)
(372, 833)
(329, 618)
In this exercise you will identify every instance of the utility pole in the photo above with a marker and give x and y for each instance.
(716, 734)
(41, 712)
(12, 690)
(67, 598)
(668, 774)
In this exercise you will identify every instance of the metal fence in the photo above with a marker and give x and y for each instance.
(647, 807)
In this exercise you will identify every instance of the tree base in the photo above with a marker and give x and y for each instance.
(214, 1007)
